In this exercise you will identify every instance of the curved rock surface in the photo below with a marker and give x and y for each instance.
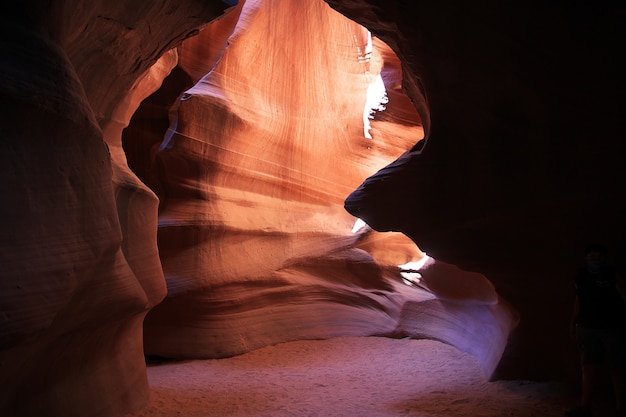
(261, 152)
(80, 264)
(523, 156)
(522, 165)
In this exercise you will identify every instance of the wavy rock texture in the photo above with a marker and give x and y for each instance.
(261, 152)
(522, 107)
(80, 264)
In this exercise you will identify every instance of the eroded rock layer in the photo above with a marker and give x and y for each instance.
(261, 152)
(523, 165)
(80, 264)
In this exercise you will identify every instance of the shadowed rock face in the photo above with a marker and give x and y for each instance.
(80, 264)
(524, 152)
(523, 164)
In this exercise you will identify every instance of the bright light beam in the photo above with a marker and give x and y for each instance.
(376, 93)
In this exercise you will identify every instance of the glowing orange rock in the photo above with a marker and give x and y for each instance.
(254, 240)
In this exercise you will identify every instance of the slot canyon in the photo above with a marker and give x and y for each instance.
(198, 179)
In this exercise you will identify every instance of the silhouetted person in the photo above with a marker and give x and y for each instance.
(599, 327)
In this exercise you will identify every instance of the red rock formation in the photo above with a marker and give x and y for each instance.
(80, 265)
(255, 244)
(524, 163)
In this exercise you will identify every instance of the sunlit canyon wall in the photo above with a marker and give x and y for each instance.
(246, 135)
(262, 151)
(244, 194)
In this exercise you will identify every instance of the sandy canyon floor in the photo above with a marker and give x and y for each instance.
(347, 376)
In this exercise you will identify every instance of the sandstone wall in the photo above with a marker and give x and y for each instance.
(80, 264)
(246, 138)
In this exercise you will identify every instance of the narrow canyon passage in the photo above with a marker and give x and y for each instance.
(185, 178)
(299, 106)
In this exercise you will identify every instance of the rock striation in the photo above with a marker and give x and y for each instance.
(183, 179)
(252, 174)
(80, 264)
